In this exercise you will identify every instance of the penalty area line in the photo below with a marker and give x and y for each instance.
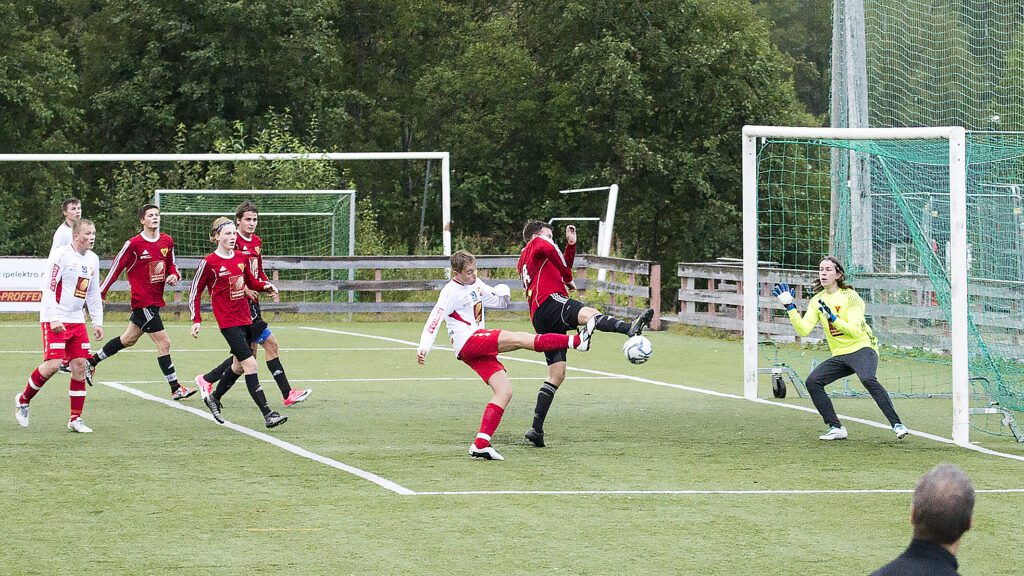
(287, 446)
(866, 422)
(838, 491)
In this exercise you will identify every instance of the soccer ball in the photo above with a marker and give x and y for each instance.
(637, 349)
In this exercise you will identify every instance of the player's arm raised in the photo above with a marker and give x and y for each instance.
(803, 325)
(498, 296)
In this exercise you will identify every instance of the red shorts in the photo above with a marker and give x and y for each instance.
(480, 352)
(72, 343)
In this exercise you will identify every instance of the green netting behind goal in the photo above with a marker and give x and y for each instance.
(291, 223)
(940, 63)
(882, 207)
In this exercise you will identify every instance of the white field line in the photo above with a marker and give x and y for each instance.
(700, 391)
(437, 379)
(143, 350)
(298, 451)
(689, 492)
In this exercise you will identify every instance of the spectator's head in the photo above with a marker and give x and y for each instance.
(536, 228)
(943, 505)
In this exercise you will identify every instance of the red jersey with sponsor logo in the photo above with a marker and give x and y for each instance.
(252, 248)
(545, 270)
(148, 263)
(226, 279)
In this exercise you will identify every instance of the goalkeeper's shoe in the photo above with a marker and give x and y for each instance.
(205, 388)
(182, 392)
(643, 320)
(20, 411)
(274, 419)
(76, 425)
(834, 434)
(535, 438)
(900, 431)
(487, 452)
(214, 407)
(586, 333)
(64, 367)
(296, 396)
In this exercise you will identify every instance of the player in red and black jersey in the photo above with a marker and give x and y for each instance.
(251, 246)
(547, 277)
(148, 261)
(227, 276)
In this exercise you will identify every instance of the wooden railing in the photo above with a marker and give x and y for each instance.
(630, 285)
(902, 306)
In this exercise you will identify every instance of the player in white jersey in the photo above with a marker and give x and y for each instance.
(461, 305)
(73, 283)
(72, 208)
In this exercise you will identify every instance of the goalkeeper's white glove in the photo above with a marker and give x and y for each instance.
(785, 295)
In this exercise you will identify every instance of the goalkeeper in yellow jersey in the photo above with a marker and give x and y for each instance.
(854, 347)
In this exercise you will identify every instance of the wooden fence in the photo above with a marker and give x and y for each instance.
(630, 285)
(904, 307)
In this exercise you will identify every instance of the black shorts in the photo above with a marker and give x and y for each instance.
(557, 315)
(240, 339)
(147, 319)
(258, 323)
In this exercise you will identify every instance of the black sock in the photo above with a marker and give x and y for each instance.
(544, 398)
(167, 367)
(217, 373)
(113, 346)
(225, 384)
(608, 323)
(277, 371)
(252, 382)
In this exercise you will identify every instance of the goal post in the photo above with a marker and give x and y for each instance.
(872, 140)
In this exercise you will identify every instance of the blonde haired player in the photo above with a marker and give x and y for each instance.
(461, 306)
(73, 285)
(227, 274)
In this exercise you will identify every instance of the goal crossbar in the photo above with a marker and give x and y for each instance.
(956, 137)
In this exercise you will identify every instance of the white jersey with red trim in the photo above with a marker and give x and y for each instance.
(61, 237)
(461, 307)
(73, 282)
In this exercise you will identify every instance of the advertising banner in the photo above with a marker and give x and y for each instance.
(21, 284)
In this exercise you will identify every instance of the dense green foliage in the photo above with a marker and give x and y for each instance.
(529, 97)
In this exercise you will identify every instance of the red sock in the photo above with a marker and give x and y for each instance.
(35, 382)
(491, 419)
(77, 393)
(552, 342)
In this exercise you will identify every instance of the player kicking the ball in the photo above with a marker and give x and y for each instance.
(461, 305)
(547, 277)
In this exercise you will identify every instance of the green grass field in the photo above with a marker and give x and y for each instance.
(634, 479)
